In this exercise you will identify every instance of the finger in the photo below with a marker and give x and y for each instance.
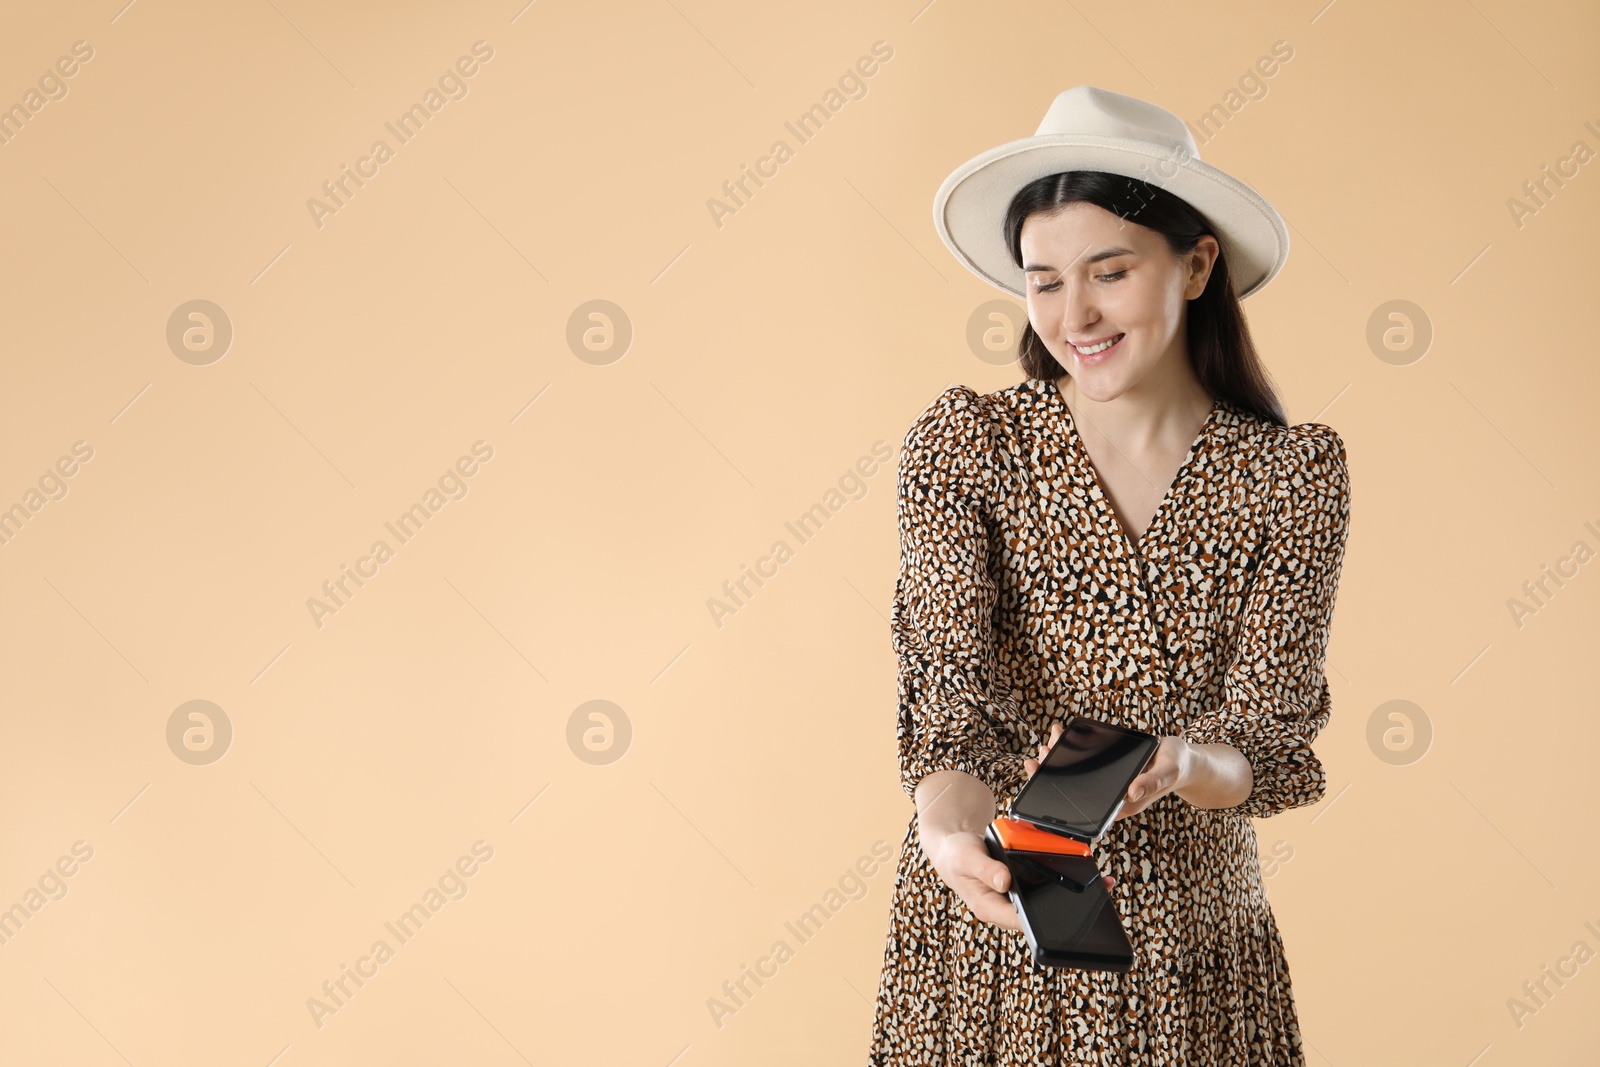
(1132, 808)
(1146, 786)
(995, 908)
(970, 862)
(1110, 880)
(984, 870)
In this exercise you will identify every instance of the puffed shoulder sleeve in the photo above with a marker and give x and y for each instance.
(953, 709)
(1275, 697)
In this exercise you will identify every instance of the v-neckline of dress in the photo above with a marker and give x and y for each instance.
(1080, 452)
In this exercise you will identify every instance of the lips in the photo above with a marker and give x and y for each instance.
(1092, 359)
(1080, 347)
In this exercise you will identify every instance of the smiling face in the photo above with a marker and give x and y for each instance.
(1093, 277)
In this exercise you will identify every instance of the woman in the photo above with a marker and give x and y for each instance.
(1133, 533)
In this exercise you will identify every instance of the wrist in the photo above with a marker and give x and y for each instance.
(1213, 775)
(1193, 769)
(953, 801)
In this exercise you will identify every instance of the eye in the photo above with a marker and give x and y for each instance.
(1053, 286)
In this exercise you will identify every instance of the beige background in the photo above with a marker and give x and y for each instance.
(436, 707)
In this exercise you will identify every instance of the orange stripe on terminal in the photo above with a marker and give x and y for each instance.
(1021, 836)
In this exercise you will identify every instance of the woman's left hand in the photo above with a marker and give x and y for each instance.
(1164, 774)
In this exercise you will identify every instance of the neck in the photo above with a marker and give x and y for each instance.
(1150, 417)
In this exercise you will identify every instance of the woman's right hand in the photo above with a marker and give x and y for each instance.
(964, 863)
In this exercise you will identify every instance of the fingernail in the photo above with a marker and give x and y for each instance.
(999, 882)
(1138, 792)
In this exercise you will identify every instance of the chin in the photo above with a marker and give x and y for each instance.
(1098, 387)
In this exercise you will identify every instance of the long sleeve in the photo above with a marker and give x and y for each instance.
(953, 710)
(1275, 697)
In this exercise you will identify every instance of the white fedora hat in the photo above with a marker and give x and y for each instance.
(1093, 129)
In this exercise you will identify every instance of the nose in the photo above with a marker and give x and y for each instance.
(1079, 309)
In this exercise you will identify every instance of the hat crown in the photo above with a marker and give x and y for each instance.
(1087, 111)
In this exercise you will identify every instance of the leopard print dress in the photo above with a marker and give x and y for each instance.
(1021, 601)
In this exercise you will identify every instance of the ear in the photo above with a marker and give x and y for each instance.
(1200, 262)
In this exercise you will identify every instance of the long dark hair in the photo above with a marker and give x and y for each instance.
(1224, 358)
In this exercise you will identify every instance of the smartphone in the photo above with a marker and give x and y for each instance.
(1083, 780)
(1066, 912)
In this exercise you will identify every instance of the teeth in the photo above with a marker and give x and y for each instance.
(1101, 347)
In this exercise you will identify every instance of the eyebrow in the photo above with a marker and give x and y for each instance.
(1104, 253)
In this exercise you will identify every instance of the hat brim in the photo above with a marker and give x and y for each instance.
(969, 208)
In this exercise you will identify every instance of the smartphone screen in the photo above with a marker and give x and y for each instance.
(1069, 917)
(1085, 776)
